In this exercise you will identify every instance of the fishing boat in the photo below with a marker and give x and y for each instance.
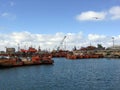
(17, 62)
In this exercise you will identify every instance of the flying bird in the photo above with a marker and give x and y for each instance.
(96, 17)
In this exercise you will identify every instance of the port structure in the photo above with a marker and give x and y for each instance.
(61, 43)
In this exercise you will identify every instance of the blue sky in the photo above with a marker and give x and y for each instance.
(96, 17)
(51, 16)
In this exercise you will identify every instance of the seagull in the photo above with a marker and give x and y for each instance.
(96, 17)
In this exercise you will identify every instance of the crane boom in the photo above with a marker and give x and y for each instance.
(61, 43)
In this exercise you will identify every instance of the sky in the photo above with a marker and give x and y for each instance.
(44, 23)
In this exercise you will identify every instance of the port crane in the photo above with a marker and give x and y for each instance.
(58, 48)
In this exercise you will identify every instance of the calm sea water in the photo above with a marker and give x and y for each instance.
(83, 74)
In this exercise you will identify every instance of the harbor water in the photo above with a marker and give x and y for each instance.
(64, 74)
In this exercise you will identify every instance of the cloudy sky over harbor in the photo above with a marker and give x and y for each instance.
(44, 23)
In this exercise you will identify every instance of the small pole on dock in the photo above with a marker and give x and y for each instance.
(113, 41)
(18, 47)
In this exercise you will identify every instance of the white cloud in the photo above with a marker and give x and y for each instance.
(115, 12)
(111, 14)
(52, 41)
(7, 15)
(91, 15)
(12, 3)
(95, 37)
